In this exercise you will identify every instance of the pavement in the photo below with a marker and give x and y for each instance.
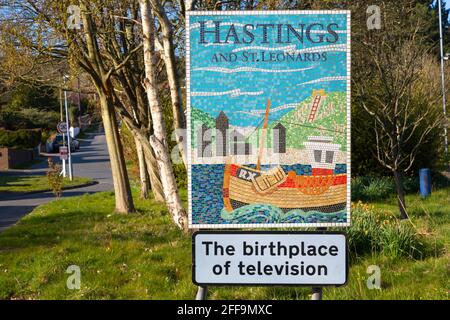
(92, 160)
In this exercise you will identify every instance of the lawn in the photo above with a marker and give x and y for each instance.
(142, 256)
(32, 183)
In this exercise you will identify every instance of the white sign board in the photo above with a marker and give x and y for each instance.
(63, 153)
(269, 258)
(62, 127)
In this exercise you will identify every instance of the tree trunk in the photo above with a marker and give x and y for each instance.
(141, 138)
(153, 171)
(95, 68)
(400, 194)
(179, 118)
(143, 176)
(175, 94)
(122, 191)
(158, 139)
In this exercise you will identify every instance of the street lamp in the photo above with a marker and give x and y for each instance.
(66, 77)
(446, 57)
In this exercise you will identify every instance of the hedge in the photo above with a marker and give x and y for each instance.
(20, 139)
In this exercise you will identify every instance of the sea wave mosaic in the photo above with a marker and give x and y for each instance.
(268, 118)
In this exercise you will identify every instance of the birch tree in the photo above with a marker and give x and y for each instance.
(158, 139)
(167, 47)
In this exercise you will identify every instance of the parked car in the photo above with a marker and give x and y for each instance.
(57, 141)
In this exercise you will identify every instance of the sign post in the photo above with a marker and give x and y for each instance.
(268, 108)
(62, 128)
(68, 136)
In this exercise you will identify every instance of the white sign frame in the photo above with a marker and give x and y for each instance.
(198, 266)
(216, 226)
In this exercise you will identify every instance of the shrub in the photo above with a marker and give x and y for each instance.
(411, 184)
(40, 97)
(41, 119)
(180, 175)
(379, 188)
(22, 139)
(55, 179)
(45, 135)
(374, 231)
(28, 118)
(372, 188)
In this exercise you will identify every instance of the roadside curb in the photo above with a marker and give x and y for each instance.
(20, 195)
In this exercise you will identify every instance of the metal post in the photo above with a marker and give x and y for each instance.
(64, 172)
(201, 293)
(68, 136)
(79, 102)
(64, 168)
(444, 107)
(61, 105)
(317, 291)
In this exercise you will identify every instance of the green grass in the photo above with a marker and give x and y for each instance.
(143, 256)
(30, 183)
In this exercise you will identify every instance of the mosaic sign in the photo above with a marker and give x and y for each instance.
(268, 118)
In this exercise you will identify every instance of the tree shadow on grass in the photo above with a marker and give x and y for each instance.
(83, 226)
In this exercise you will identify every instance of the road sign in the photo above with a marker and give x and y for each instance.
(63, 153)
(269, 118)
(269, 258)
(62, 127)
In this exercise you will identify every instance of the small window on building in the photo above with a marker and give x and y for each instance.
(317, 155)
(329, 157)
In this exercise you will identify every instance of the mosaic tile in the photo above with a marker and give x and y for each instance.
(268, 116)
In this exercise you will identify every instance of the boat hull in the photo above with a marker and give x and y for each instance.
(239, 192)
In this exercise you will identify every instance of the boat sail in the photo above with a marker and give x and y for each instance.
(321, 191)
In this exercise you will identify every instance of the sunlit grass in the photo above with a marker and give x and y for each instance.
(29, 183)
(143, 256)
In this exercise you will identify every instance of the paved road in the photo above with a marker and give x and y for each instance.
(91, 160)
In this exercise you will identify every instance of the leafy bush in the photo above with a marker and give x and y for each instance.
(411, 184)
(180, 175)
(40, 97)
(55, 179)
(21, 139)
(438, 180)
(28, 119)
(371, 188)
(45, 135)
(374, 231)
